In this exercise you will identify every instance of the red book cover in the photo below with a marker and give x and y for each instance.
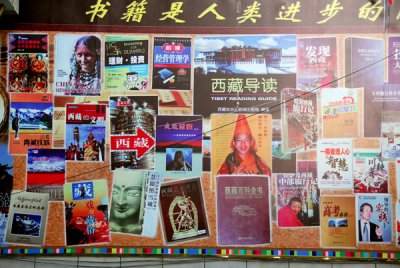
(299, 120)
(86, 212)
(316, 63)
(45, 172)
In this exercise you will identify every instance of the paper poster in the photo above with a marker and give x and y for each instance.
(86, 212)
(27, 218)
(241, 144)
(45, 172)
(297, 199)
(179, 145)
(390, 135)
(393, 62)
(132, 131)
(30, 122)
(338, 222)
(28, 63)
(85, 132)
(363, 61)
(134, 202)
(172, 63)
(243, 214)
(342, 112)
(370, 171)
(126, 63)
(242, 73)
(6, 185)
(397, 224)
(335, 163)
(77, 65)
(183, 211)
(374, 218)
(299, 120)
(316, 63)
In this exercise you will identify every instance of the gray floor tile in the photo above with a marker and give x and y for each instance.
(225, 264)
(267, 264)
(148, 262)
(353, 265)
(183, 262)
(51, 262)
(110, 262)
(17, 262)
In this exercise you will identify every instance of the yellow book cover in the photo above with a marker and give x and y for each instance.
(338, 222)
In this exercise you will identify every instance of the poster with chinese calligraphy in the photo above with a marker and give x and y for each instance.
(242, 73)
(335, 163)
(86, 212)
(370, 171)
(308, 16)
(342, 112)
(183, 213)
(45, 172)
(30, 122)
(179, 146)
(393, 63)
(153, 185)
(28, 63)
(126, 63)
(134, 202)
(316, 63)
(297, 199)
(132, 131)
(243, 214)
(363, 60)
(374, 218)
(27, 218)
(172, 63)
(77, 65)
(85, 132)
(241, 145)
(390, 135)
(299, 120)
(338, 222)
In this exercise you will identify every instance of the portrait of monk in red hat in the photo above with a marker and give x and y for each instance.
(243, 159)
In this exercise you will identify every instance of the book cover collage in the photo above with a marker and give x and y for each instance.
(202, 140)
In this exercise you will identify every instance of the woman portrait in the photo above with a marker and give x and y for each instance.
(85, 77)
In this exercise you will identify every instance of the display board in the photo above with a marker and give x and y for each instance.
(200, 143)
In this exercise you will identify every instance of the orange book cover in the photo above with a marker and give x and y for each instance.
(338, 221)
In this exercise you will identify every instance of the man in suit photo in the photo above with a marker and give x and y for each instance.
(368, 231)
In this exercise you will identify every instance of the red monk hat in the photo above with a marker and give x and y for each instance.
(242, 126)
